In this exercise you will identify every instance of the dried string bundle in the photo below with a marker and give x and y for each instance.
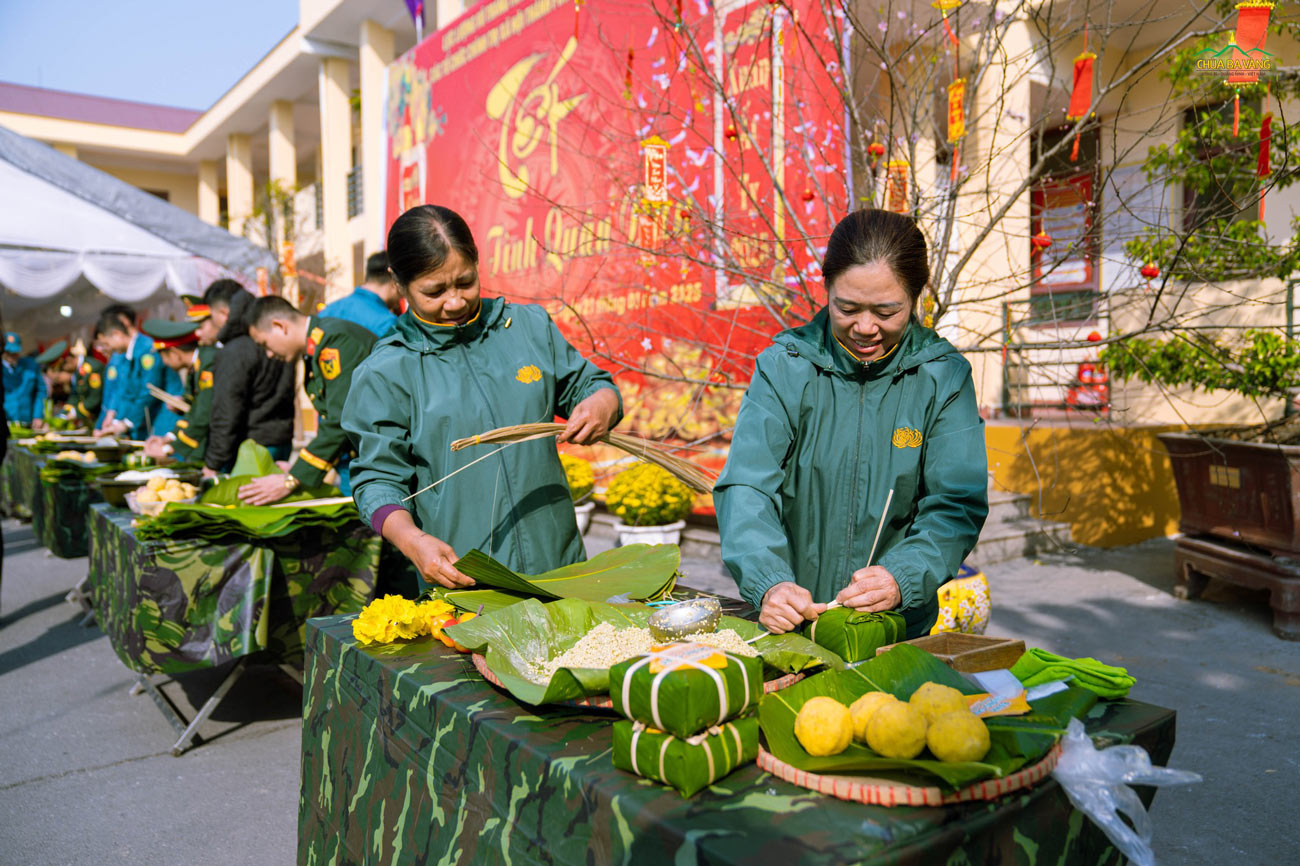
(693, 476)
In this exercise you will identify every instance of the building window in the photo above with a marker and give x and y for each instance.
(160, 193)
(1064, 204)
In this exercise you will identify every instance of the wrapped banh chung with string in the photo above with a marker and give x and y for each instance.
(686, 764)
(855, 635)
(685, 688)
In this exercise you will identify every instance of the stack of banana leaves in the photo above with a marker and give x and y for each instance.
(58, 469)
(219, 517)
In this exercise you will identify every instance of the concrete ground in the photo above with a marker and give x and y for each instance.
(86, 774)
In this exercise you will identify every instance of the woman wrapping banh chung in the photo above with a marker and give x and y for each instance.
(455, 365)
(857, 473)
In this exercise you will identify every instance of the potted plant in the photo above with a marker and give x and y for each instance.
(650, 504)
(1241, 483)
(581, 480)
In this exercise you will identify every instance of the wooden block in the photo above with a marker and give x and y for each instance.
(968, 653)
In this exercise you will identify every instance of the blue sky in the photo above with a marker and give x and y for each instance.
(170, 52)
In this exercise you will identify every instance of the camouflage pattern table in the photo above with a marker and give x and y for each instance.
(410, 756)
(21, 481)
(176, 605)
(60, 519)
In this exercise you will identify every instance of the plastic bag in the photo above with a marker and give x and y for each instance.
(1097, 783)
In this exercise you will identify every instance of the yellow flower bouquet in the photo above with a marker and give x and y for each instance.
(646, 495)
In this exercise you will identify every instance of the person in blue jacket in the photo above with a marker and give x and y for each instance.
(374, 305)
(24, 389)
(133, 408)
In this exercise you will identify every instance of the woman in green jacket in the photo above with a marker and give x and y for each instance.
(457, 364)
(861, 400)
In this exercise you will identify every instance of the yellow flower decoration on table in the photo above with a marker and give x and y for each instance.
(393, 618)
(646, 495)
(579, 474)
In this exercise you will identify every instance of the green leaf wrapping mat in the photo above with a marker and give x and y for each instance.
(686, 765)
(855, 635)
(680, 690)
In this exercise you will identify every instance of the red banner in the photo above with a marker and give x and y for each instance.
(662, 177)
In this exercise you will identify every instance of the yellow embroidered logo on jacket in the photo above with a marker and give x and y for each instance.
(112, 373)
(85, 369)
(205, 380)
(330, 367)
(529, 374)
(906, 437)
(95, 381)
(147, 361)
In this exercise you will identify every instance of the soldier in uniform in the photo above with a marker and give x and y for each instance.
(331, 349)
(22, 382)
(131, 406)
(88, 386)
(177, 344)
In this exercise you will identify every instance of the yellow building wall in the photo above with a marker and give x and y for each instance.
(182, 188)
(1113, 485)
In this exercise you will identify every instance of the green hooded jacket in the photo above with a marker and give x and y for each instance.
(425, 386)
(819, 441)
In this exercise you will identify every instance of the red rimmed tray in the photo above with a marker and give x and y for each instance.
(603, 702)
(882, 792)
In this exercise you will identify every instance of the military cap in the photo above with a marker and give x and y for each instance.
(195, 308)
(167, 334)
(53, 353)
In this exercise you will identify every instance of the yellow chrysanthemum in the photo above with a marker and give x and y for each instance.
(646, 495)
(579, 474)
(387, 619)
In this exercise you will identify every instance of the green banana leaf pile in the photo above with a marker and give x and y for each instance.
(219, 517)
(55, 471)
(512, 638)
(1015, 741)
(639, 572)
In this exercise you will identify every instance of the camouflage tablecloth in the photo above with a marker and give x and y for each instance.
(409, 756)
(61, 518)
(174, 606)
(20, 480)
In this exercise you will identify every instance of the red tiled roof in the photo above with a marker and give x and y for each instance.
(22, 99)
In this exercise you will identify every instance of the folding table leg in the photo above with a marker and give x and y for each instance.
(175, 719)
(292, 672)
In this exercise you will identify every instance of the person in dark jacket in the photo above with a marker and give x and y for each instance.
(252, 395)
(861, 401)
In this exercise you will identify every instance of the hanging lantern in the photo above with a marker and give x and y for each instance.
(1081, 95)
(1094, 337)
(1252, 31)
(732, 133)
(654, 156)
(896, 173)
(876, 150)
(808, 195)
(1150, 271)
(1041, 241)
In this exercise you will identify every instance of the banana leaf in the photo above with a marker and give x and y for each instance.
(54, 470)
(1014, 742)
(510, 638)
(214, 522)
(641, 572)
(253, 459)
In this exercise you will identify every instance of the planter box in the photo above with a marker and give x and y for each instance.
(669, 533)
(1241, 491)
(582, 513)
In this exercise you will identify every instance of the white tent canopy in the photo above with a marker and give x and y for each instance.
(74, 239)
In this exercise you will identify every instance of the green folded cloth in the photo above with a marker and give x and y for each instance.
(1037, 667)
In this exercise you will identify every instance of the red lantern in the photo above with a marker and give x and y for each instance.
(876, 149)
(731, 133)
(1094, 337)
(808, 195)
(1041, 241)
(1150, 271)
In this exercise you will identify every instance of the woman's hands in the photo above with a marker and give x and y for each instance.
(785, 606)
(592, 418)
(872, 589)
(431, 556)
(265, 490)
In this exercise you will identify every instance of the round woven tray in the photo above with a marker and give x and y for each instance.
(603, 702)
(882, 792)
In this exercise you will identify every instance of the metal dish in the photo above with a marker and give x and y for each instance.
(676, 621)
